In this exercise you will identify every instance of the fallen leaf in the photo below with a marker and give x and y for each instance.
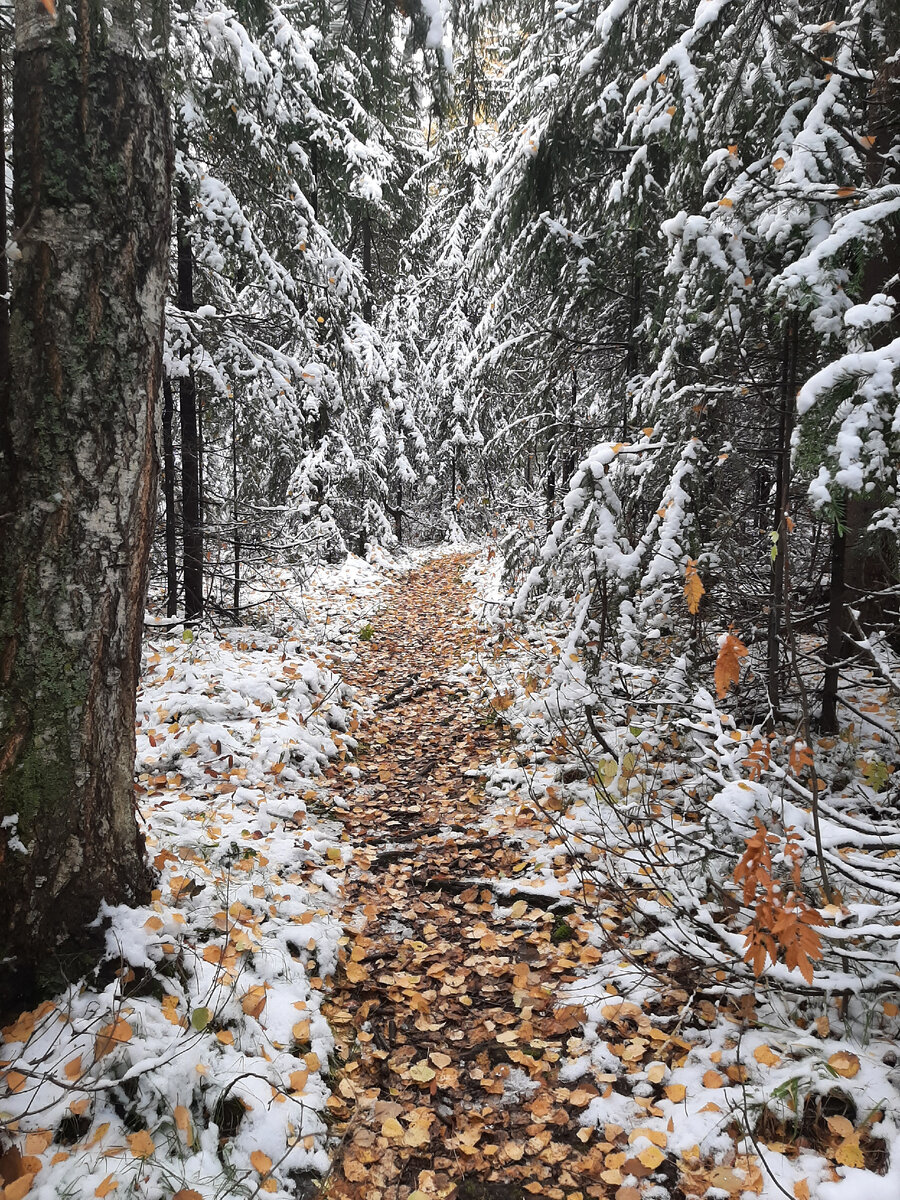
(421, 1072)
(18, 1188)
(844, 1064)
(767, 1057)
(261, 1162)
(141, 1144)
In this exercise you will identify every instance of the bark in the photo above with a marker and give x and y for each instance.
(4, 235)
(786, 418)
(169, 494)
(191, 515)
(235, 511)
(78, 412)
(835, 645)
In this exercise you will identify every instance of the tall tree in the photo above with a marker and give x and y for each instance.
(78, 421)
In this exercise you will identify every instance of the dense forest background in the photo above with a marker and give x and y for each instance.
(629, 270)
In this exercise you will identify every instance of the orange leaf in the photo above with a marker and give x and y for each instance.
(111, 1036)
(693, 586)
(766, 1056)
(108, 1185)
(141, 1144)
(18, 1188)
(728, 665)
(261, 1162)
(845, 1064)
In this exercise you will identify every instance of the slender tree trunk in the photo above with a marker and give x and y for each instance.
(191, 515)
(837, 622)
(786, 416)
(169, 494)
(367, 267)
(78, 410)
(234, 511)
(398, 514)
(4, 233)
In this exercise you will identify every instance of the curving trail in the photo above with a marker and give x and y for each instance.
(446, 1006)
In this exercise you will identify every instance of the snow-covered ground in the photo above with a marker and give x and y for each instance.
(194, 1063)
(723, 1087)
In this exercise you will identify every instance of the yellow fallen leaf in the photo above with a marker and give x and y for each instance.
(421, 1072)
(766, 1056)
(676, 1092)
(141, 1144)
(38, 1141)
(656, 1136)
(712, 1079)
(801, 1189)
(183, 1122)
(844, 1063)
(656, 1072)
(261, 1162)
(849, 1153)
(651, 1157)
(298, 1080)
(356, 972)
(18, 1188)
(391, 1128)
(108, 1185)
(111, 1036)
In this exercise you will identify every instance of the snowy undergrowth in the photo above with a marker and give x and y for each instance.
(194, 1062)
(750, 1085)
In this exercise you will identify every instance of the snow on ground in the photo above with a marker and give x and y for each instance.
(695, 1069)
(194, 1063)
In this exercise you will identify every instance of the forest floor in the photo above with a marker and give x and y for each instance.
(387, 959)
(449, 1003)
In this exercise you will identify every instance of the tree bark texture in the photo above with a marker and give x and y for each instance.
(191, 446)
(78, 417)
(169, 497)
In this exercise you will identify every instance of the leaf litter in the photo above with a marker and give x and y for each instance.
(376, 966)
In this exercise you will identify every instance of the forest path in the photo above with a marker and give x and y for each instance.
(446, 1010)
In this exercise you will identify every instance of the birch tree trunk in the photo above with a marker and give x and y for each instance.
(78, 436)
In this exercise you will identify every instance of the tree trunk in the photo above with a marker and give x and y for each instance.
(78, 411)
(235, 512)
(4, 235)
(192, 532)
(398, 514)
(169, 494)
(837, 621)
(786, 416)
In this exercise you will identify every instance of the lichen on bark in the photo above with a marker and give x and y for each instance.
(78, 461)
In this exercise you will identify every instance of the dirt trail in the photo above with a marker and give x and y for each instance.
(447, 1008)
